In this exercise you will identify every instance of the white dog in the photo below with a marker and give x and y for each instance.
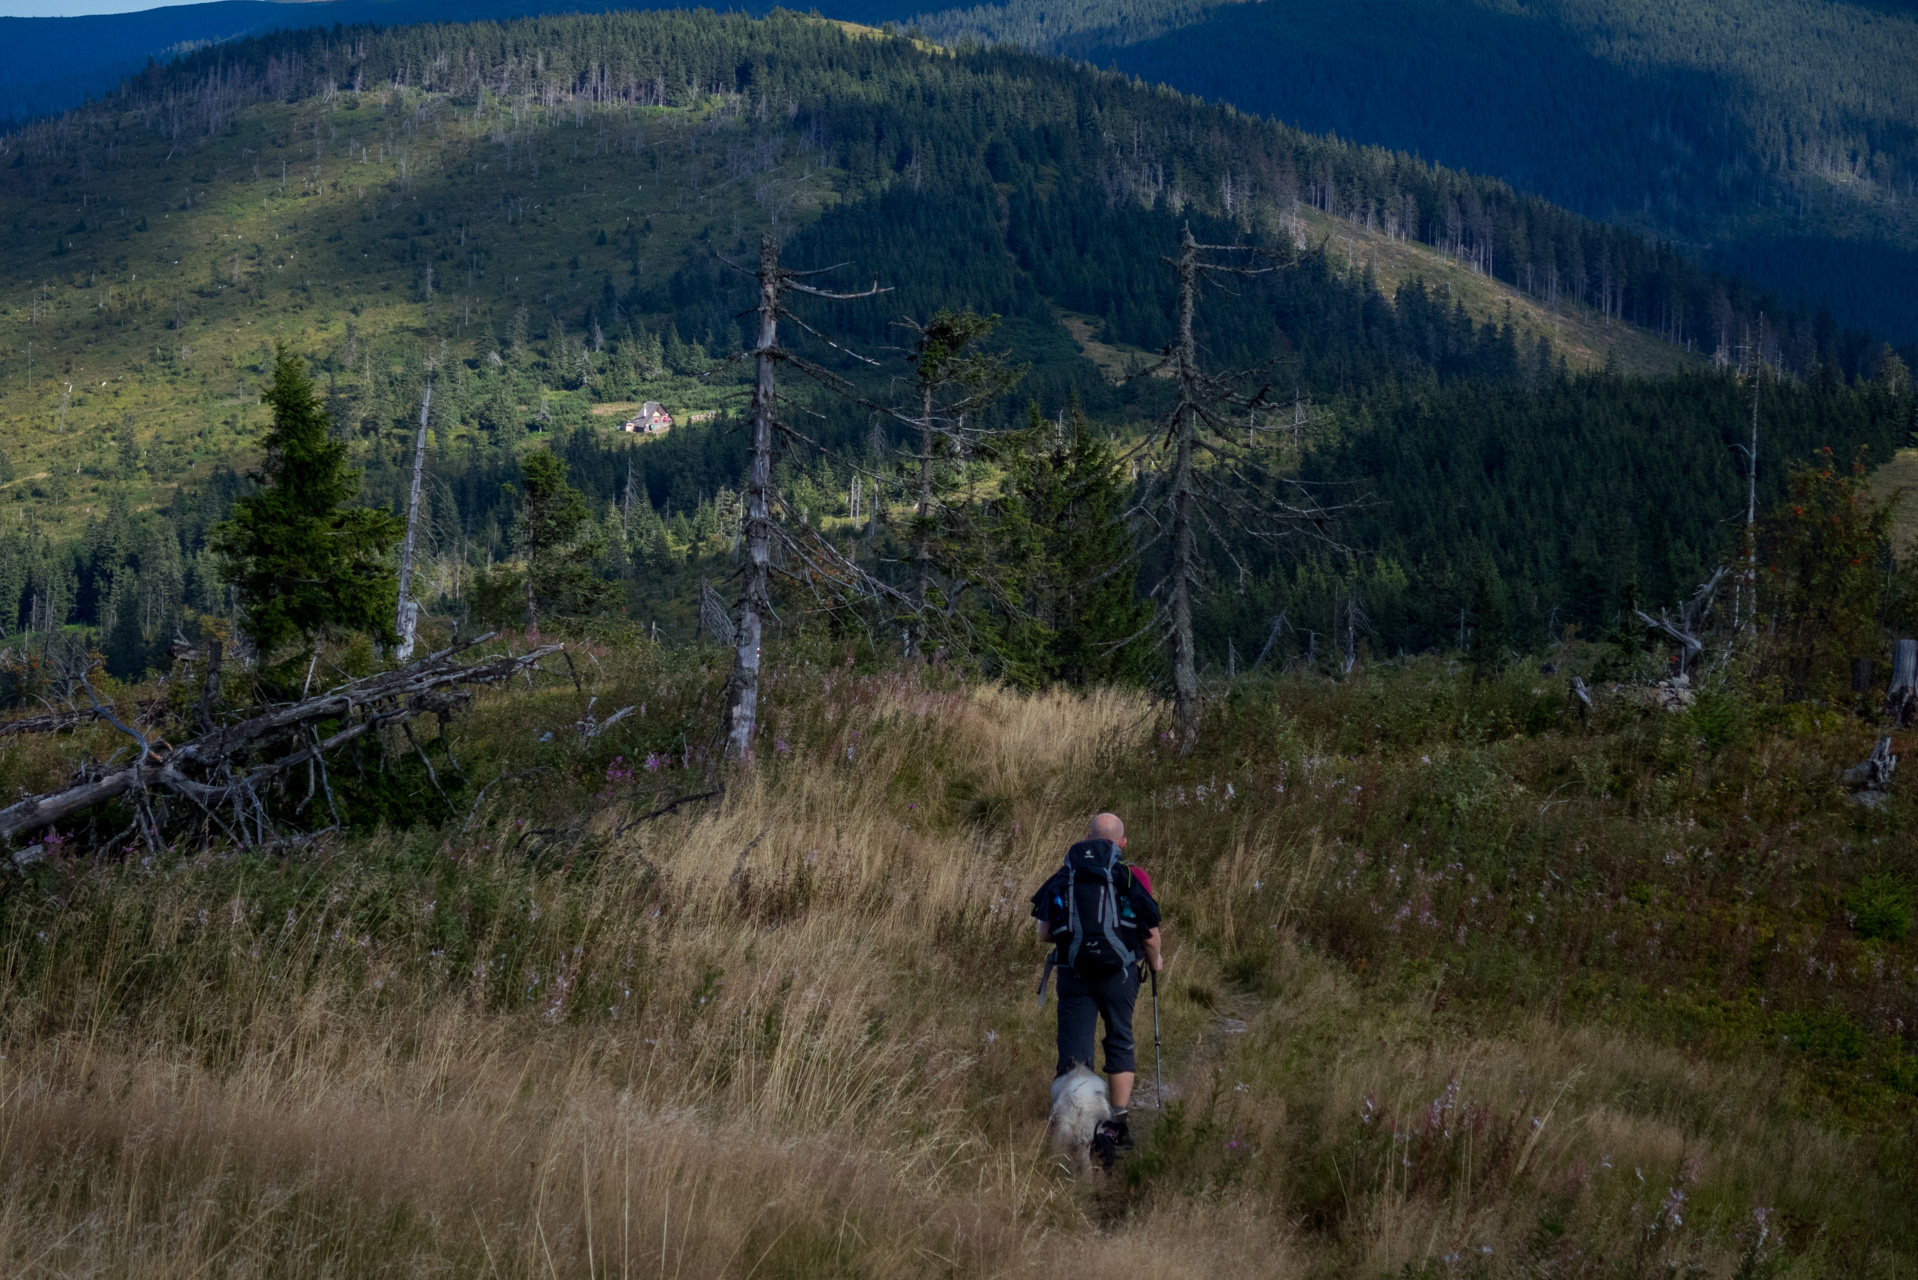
(1079, 1107)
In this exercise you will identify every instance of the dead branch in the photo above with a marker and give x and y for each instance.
(666, 808)
(215, 769)
(57, 722)
(1686, 629)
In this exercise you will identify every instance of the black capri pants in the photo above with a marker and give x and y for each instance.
(1081, 1001)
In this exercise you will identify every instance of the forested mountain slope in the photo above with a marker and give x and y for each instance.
(1777, 138)
(534, 213)
(48, 65)
(1780, 136)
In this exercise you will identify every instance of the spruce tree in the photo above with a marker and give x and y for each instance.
(1062, 564)
(126, 650)
(307, 560)
(1101, 620)
(1490, 635)
(555, 533)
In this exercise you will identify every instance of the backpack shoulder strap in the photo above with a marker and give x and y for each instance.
(1073, 931)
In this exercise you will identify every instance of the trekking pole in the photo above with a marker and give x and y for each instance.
(1158, 1065)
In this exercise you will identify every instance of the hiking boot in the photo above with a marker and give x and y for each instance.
(1105, 1144)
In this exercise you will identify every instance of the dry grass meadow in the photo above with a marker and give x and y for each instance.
(791, 1032)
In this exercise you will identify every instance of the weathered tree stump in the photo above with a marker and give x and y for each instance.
(1870, 778)
(1901, 700)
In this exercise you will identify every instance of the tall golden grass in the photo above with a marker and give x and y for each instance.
(793, 1034)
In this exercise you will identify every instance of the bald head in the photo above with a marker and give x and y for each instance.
(1107, 827)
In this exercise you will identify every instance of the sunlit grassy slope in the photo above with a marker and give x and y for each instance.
(1584, 338)
(152, 314)
(1458, 985)
(1899, 477)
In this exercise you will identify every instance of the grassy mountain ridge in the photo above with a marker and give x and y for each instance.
(1585, 339)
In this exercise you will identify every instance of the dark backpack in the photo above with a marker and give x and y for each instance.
(1086, 911)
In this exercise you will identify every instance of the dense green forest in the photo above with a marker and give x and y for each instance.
(555, 200)
(1778, 137)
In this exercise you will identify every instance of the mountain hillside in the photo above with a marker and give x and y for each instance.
(1775, 138)
(1780, 137)
(535, 216)
(48, 65)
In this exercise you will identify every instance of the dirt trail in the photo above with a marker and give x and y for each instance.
(1186, 1065)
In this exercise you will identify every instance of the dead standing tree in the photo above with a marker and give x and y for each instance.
(1201, 472)
(760, 528)
(409, 609)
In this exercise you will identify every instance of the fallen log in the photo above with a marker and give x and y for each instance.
(52, 722)
(211, 770)
(73, 718)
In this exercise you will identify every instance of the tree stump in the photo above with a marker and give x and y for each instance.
(1901, 700)
(1870, 778)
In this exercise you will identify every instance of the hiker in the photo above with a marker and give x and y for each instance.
(1101, 961)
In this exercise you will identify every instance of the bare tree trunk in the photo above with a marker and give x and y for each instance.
(1751, 492)
(1740, 612)
(1182, 580)
(409, 609)
(1901, 700)
(758, 526)
(755, 600)
(922, 551)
